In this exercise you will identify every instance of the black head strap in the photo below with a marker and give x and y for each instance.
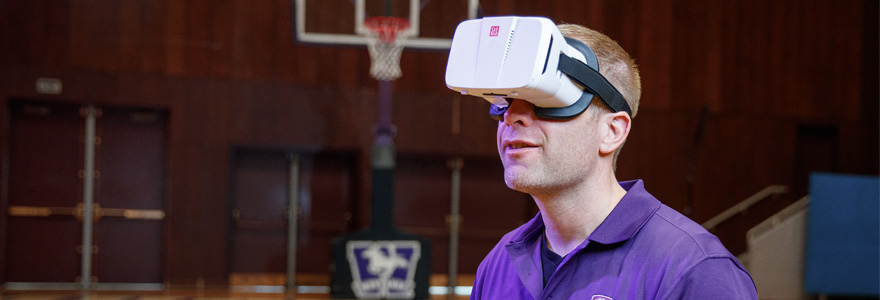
(591, 79)
(588, 76)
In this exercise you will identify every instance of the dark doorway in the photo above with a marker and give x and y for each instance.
(260, 199)
(816, 152)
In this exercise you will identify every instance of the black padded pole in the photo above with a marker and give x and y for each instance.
(382, 196)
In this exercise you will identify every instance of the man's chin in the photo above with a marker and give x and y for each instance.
(519, 182)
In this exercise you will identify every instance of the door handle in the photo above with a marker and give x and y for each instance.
(99, 212)
(45, 212)
(131, 214)
(36, 211)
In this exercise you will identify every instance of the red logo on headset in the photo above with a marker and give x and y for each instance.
(493, 31)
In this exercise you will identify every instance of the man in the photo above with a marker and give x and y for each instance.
(595, 238)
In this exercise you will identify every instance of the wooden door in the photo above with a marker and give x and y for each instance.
(45, 160)
(129, 192)
(258, 232)
(45, 208)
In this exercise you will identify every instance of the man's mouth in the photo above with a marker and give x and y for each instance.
(519, 145)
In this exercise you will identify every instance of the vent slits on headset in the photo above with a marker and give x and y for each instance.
(507, 46)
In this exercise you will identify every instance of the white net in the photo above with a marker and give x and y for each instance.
(385, 38)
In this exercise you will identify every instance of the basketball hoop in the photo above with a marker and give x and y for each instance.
(385, 38)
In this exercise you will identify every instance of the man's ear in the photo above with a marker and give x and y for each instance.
(616, 130)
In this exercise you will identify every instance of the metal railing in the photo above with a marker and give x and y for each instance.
(744, 205)
(777, 218)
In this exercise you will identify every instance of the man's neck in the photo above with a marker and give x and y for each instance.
(570, 216)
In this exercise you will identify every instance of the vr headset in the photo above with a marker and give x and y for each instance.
(501, 58)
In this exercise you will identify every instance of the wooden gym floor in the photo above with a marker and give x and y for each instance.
(166, 295)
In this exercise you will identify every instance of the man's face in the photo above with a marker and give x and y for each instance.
(543, 156)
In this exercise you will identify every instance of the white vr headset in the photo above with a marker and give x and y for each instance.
(501, 58)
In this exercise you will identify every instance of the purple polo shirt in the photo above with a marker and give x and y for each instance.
(643, 250)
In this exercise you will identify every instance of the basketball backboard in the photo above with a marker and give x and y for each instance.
(341, 22)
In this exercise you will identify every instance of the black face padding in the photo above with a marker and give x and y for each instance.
(584, 74)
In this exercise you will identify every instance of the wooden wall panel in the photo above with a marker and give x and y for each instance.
(204, 168)
(41, 42)
(52, 36)
(734, 160)
(230, 73)
(651, 49)
(153, 44)
(778, 53)
(131, 35)
(175, 37)
(306, 66)
(199, 41)
(12, 33)
(82, 53)
(696, 22)
(95, 31)
(665, 167)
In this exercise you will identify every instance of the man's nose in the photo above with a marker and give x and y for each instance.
(519, 111)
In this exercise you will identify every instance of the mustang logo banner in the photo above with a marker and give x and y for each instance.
(383, 269)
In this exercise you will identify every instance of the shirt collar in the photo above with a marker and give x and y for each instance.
(529, 232)
(630, 214)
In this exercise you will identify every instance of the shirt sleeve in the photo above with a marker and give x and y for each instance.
(715, 278)
(477, 289)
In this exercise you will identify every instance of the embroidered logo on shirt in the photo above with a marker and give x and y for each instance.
(600, 297)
